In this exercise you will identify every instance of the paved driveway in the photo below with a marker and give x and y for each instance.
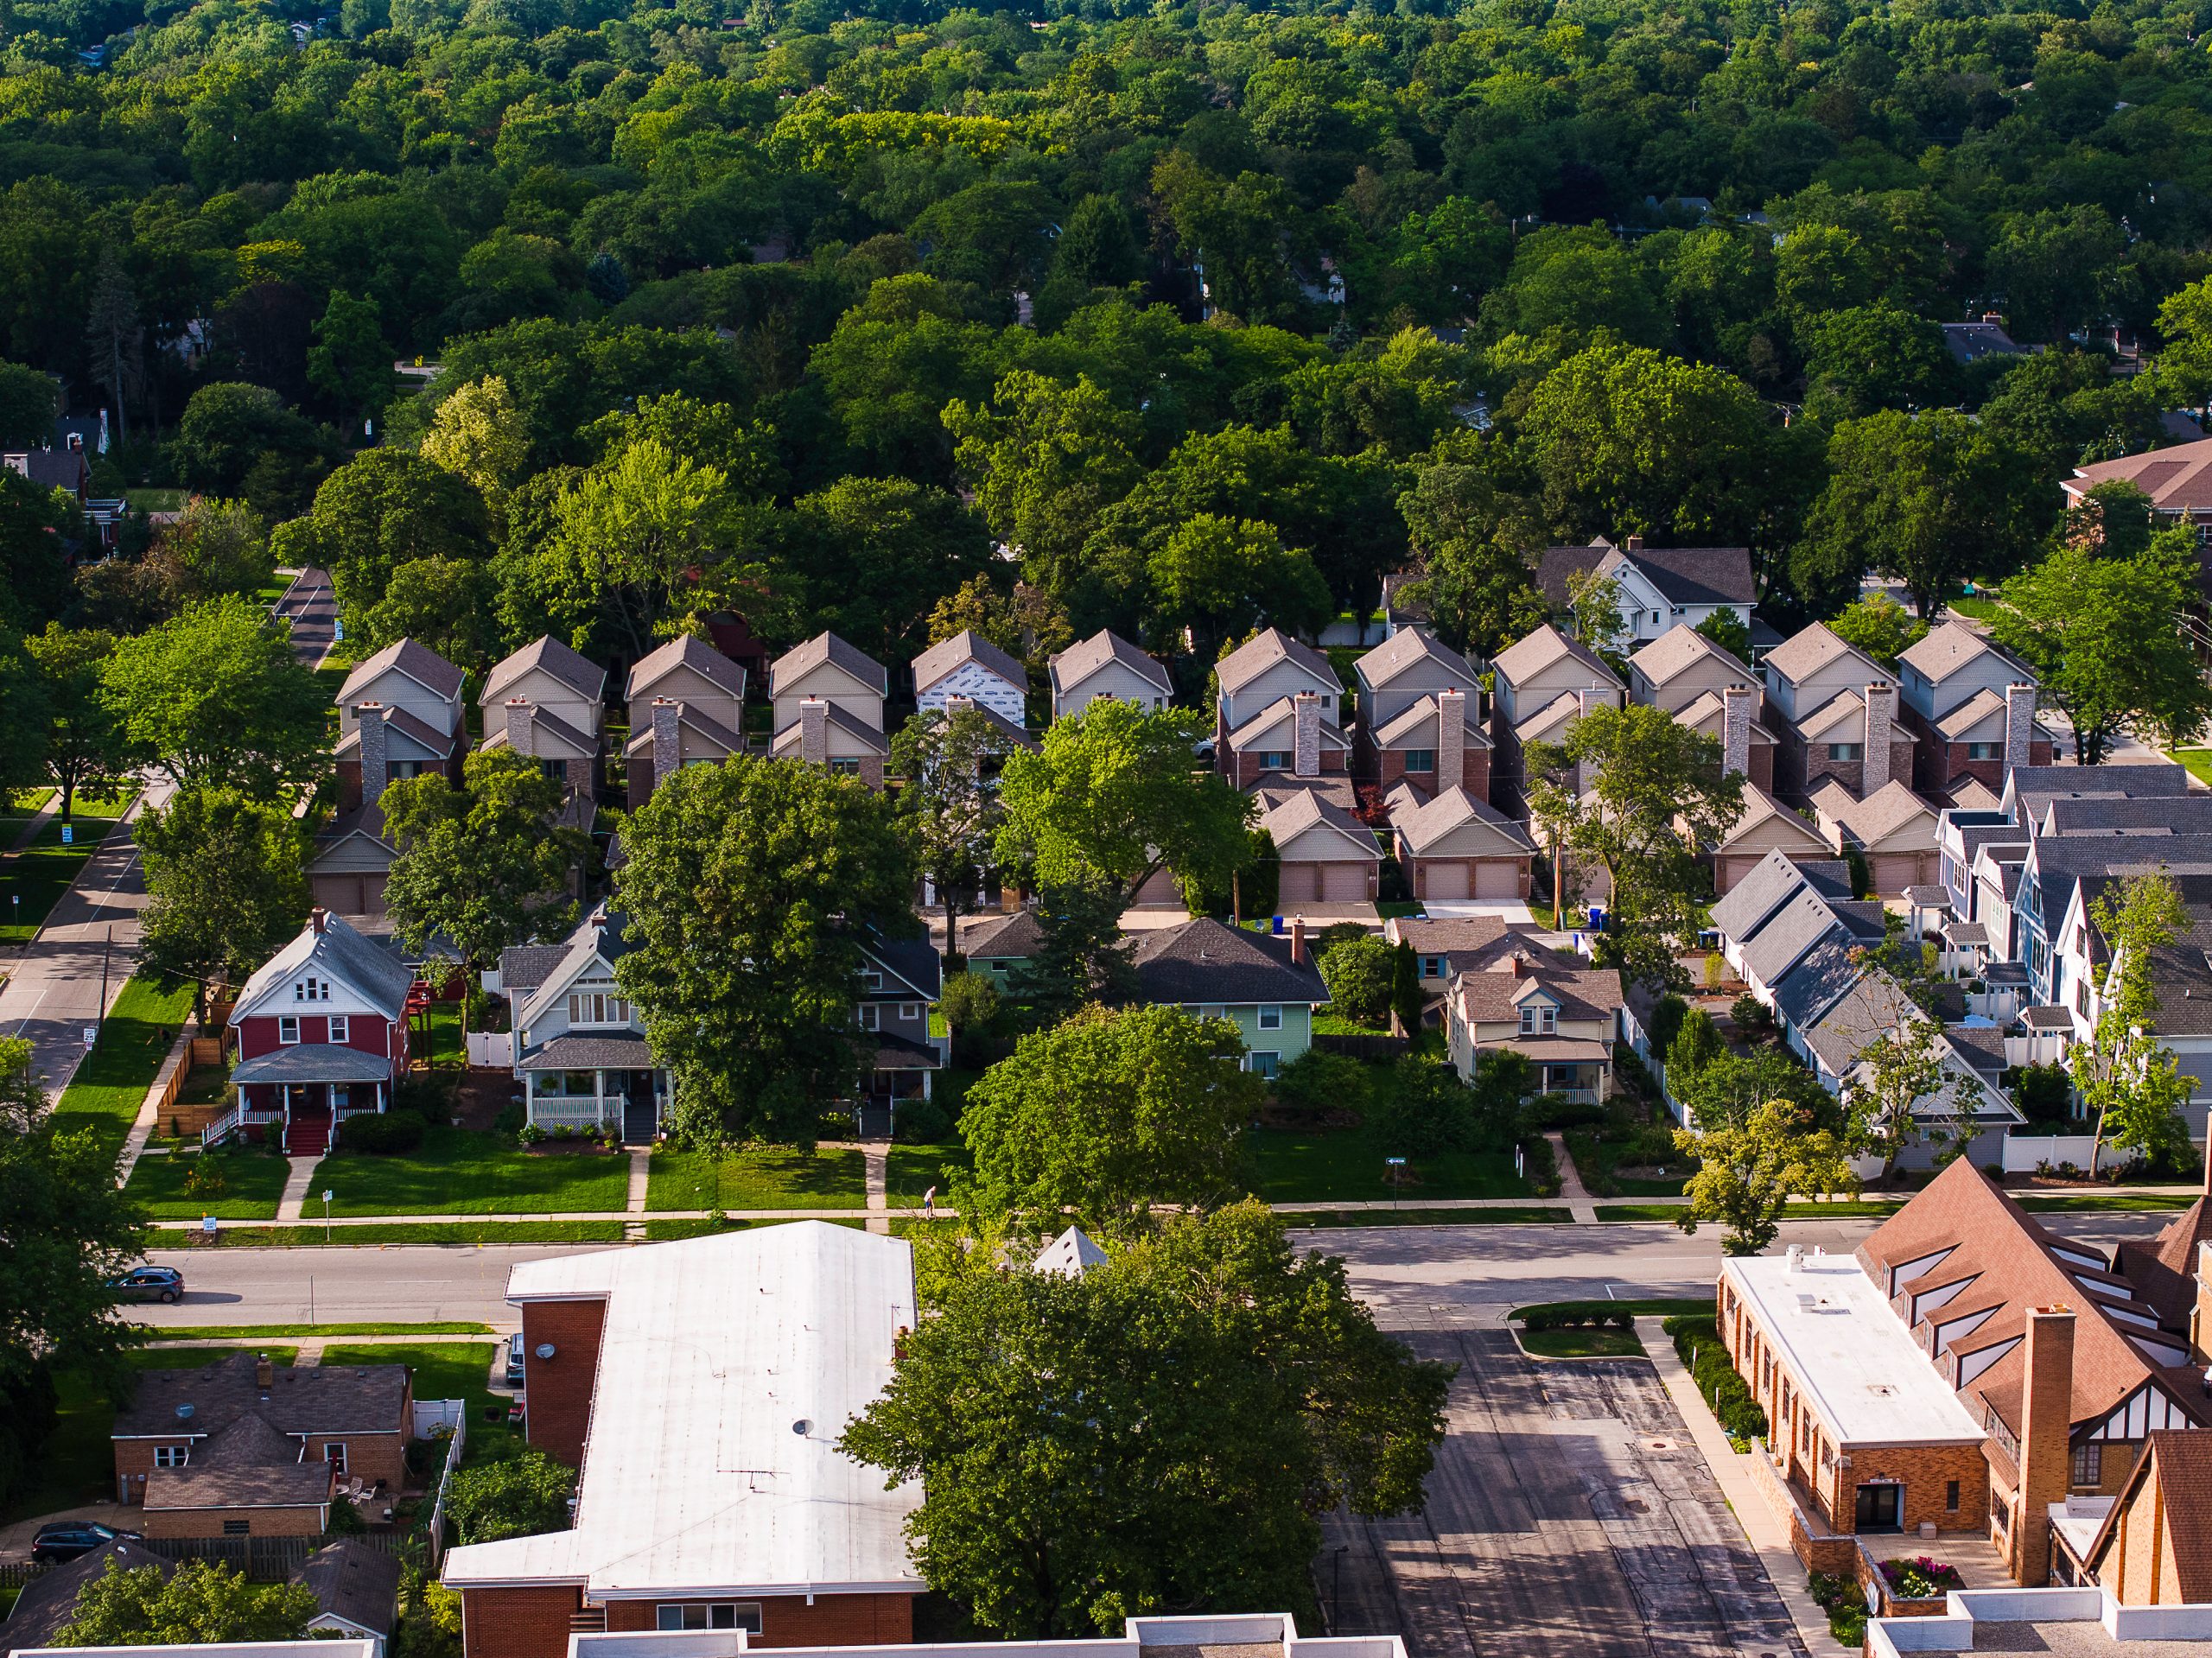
(1568, 1513)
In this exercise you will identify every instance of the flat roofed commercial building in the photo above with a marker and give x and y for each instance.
(1258, 1635)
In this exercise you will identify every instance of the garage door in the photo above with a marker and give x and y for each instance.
(340, 894)
(1444, 881)
(1161, 888)
(1344, 883)
(1894, 872)
(1495, 877)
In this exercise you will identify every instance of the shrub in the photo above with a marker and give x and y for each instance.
(1716, 970)
(530, 1134)
(1318, 1080)
(427, 1097)
(205, 1178)
(921, 1120)
(514, 1497)
(1359, 972)
(1540, 1165)
(1557, 1111)
(1665, 1022)
(1577, 1315)
(1424, 1108)
(2044, 1093)
(383, 1135)
(1749, 1014)
(1697, 1339)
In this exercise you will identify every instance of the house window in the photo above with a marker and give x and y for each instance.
(237, 1527)
(846, 768)
(597, 1007)
(1432, 967)
(335, 1454)
(171, 1456)
(868, 1016)
(554, 771)
(1846, 750)
(1421, 760)
(1260, 1064)
(288, 1028)
(400, 770)
(311, 989)
(872, 978)
(1656, 618)
(1985, 751)
(1528, 1021)
(743, 1615)
(1274, 760)
(1548, 1017)
(911, 1011)
(1270, 1019)
(1951, 1495)
(341, 1027)
(2088, 1464)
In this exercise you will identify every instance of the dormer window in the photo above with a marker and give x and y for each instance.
(1538, 1018)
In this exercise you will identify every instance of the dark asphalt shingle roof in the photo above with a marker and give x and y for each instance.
(2181, 814)
(523, 968)
(1811, 987)
(1683, 576)
(48, 1601)
(1774, 948)
(802, 659)
(597, 1051)
(967, 645)
(313, 1062)
(370, 968)
(354, 1579)
(418, 661)
(325, 1399)
(1208, 960)
(1002, 937)
(580, 675)
(914, 960)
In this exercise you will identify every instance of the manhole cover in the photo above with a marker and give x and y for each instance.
(1658, 1445)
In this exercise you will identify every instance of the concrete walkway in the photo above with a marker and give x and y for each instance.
(148, 1119)
(1580, 1203)
(641, 1168)
(876, 1158)
(39, 819)
(299, 1186)
(1731, 1471)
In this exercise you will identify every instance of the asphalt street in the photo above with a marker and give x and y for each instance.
(311, 605)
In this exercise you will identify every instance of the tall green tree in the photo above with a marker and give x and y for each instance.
(387, 508)
(217, 699)
(1900, 1093)
(949, 807)
(84, 752)
(203, 1601)
(29, 401)
(1880, 626)
(1220, 580)
(1748, 1168)
(1160, 1433)
(2128, 1080)
(1108, 1113)
(226, 884)
(746, 886)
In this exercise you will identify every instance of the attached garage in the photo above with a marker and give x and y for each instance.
(1344, 883)
(1444, 878)
(1497, 877)
(349, 894)
(1161, 890)
(1895, 871)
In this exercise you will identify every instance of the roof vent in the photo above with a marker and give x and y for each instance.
(184, 1413)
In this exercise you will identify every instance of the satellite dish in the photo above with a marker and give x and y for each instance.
(544, 1350)
(184, 1413)
(801, 1428)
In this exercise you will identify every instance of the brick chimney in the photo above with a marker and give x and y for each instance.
(955, 703)
(1634, 545)
(1306, 735)
(814, 731)
(1517, 965)
(668, 739)
(264, 1374)
(1451, 740)
(522, 727)
(1736, 729)
(1298, 940)
(376, 763)
(317, 916)
(1881, 714)
(2046, 1458)
(2019, 724)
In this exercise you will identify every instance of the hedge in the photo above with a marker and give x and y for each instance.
(1697, 1341)
(1577, 1315)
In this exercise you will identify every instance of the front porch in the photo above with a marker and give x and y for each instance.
(1579, 1070)
(584, 1083)
(305, 1092)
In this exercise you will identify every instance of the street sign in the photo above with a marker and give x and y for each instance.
(1395, 1162)
(68, 834)
(91, 1034)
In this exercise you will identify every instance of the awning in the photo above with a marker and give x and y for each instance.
(615, 1051)
(314, 1061)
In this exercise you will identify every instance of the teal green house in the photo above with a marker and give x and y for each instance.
(1267, 986)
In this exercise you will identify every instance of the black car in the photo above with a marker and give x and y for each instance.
(67, 1539)
(514, 1360)
(151, 1284)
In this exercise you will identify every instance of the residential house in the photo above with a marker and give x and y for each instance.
(1277, 712)
(1709, 691)
(2178, 479)
(352, 861)
(410, 697)
(66, 469)
(828, 709)
(1564, 1020)
(1972, 708)
(1000, 946)
(1660, 586)
(1106, 664)
(1264, 984)
(1969, 342)
(2154, 1544)
(321, 1034)
(1542, 685)
(577, 1043)
(686, 699)
(969, 665)
(900, 981)
(1764, 893)
(1328, 856)
(245, 1448)
(1764, 826)
(1834, 711)
(1405, 601)
(1419, 717)
(701, 1388)
(356, 1589)
(547, 702)
(1893, 829)
(49, 1599)
(1458, 846)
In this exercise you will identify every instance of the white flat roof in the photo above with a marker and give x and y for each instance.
(1848, 1354)
(728, 1366)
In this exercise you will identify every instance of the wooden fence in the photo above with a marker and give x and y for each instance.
(263, 1560)
(16, 1575)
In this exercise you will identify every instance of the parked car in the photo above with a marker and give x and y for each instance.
(514, 1360)
(151, 1284)
(67, 1539)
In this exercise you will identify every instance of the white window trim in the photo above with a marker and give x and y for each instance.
(289, 1038)
(334, 1452)
(869, 1017)
(1270, 1016)
(172, 1456)
(341, 1028)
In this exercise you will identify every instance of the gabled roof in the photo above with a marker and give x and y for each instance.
(580, 745)
(802, 659)
(1536, 652)
(1424, 825)
(1291, 813)
(1205, 960)
(1495, 991)
(419, 663)
(641, 730)
(1890, 809)
(246, 1464)
(335, 949)
(685, 650)
(1283, 713)
(847, 721)
(1681, 575)
(2137, 782)
(1262, 651)
(1818, 982)
(2091, 815)
(1762, 812)
(587, 679)
(1813, 648)
(1445, 935)
(1844, 713)
(1406, 648)
(1002, 937)
(353, 1580)
(913, 960)
(1782, 941)
(1943, 651)
(1972, 712)
(1080, 661)
(2164, 1268)
(2178, 479)
(967, 645)
(1679, 647)
(2175, 1469)
(1708, 709)
(602, 937)
(1069, 1256)
(1425, 713)
(1761, 892)
(1869, 1009)
(421, 732)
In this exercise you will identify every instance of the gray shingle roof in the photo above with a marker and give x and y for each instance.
(641, 731)
(353, 1579)
(523, 968)
(600, 1050)
(418, 661)
(914, 960)
(1207, 960)
(802, 659)
(246, 1463)
(438, 742)
(2139, 781)
(325, 1399)
(1683, 576)
(313, 1062)
(1002, 937)
(1782, 941)
(1537, 652)
(1868, 1010)
(1880, 815)
(688, 651)
(1080, 661)
(1402, 650)
(1256, 654)
(48, 1601)
(967, 645)
(584, 678)
(1811, 987)
(2185, 815)
(371, 968)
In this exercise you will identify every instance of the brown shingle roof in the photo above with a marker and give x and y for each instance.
(1081, 660)
(2177, 1465)
(2177, 479)
(802, 659)
(1543, 647)
(325, 1399)
(2164, 1268)
(1678, 648)
(418, 661)
(967, 645)
(687, 650)
(584, 678)
(1495, 993)
(1407, 646)
(1261, 652)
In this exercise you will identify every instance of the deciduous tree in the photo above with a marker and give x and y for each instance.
(226, 882)
(1749, 1168)
(202, 1602)
(2129, 1080)
(948, 809)
(84, 752)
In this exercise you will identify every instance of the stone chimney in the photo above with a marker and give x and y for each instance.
(1451, 740)
(1736, 729)
(2046, 1458)
(522, 727)
(1298, 940)
(2019, 725)
(264, 1372)
(1305, 739)
(376, 765)
(1881, 714)
(668, 739)
(814, 731)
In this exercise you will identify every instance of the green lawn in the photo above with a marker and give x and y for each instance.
(763, 1177)
(459, 1370)
(439, 1232)
(33, 881)
(1581, 1343)
(447, 1050)
(1649, 1308)
(1977, 608)
(172, 500)
(111, 1085)
(2198, 760)
(914, 1169)
(1505, 1214)
(2099, 1201)
(1337, 1024)
(456, 1171)
(253, 1182)
(248, 1332)
(1293, 1166)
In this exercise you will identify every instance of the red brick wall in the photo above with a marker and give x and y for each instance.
(1243, 769)
(210, 1522)
(518, 1623)
(788, 1621)
(558, 1390)
(1389, 769)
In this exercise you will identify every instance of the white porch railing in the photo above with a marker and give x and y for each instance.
(553, 1111)
(231, 1120)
